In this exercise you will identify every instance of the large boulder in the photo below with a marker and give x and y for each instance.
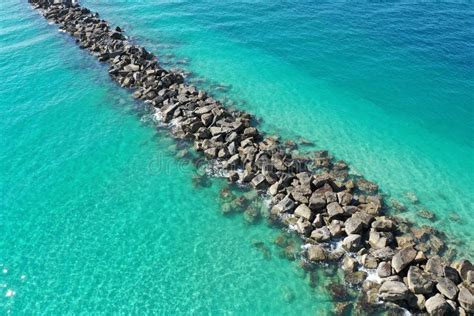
(352, 243)
(384, 269)
(466, 298)
(285, 205)
(403, 258)
(435, 266)
(437, 306)
(304, 211)
(393, 291)
(353, 226)
(317, 201)
(419, 281)
(321, 234)
(316, 253)
(447, 287)
(334, 210)
(463, 267)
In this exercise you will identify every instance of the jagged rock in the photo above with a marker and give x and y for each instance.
(344, 198)
(393, 291)
(355, 278)
(437, 305)
(258, 181)
(336, 228)
(447, 287)
(349, 264)
(435, 266)
(463, 267)
(369, 261)
(321, 234)
(284, 206)
(419, 281)
(316, 253)
(379, 240)
(303, 226)
(334, 210)
(466, 298)
(318, 221)
(384, 269)
(353, 226)
(303, 211)
(317, 201)
(383, 225)
(403, 258)
(352, 243)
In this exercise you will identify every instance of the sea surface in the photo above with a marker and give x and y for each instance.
(97, 214)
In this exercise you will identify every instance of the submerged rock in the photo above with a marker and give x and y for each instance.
(393, 291)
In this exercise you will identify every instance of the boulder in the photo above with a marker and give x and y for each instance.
(336, 228)
(437, 305)
(466, 298)
(349, 264)
(353, 226)
(378, 240)
(284, 206)
(463, 267)
(419, 281)
(258, 181)
(403, 258)
(435, 266)
(321, 234)
(317, 201)
(304, 211)
(352, 243)
(334, 210)
(447, 287)
(393, 291)
(316, 253)
(384, 269)
(383, 225)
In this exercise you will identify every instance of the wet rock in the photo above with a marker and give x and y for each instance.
(426, 214)
(447, 287)
(344, 198)
(251, 215)
(437, 305)
(393, 291)
(349, 264)
(321, 234)
(303, 227)
(284, 206)
(383, 225)
(403, 258)
(369, 261)
(338, 292)
(379, 240)
(419, 281)
(317, 201)
(304, 211)
(336, 228)
(355, 278)
(318, 221)
(384, 269)
(316, 253)
(352, 243)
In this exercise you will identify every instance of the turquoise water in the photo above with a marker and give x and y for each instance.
(387, 87)
(97, 214)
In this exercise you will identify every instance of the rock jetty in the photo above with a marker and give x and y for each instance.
(310, 194)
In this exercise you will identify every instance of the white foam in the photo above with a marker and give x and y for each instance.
(10, 293)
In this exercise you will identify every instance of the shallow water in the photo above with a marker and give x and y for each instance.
(98, 215)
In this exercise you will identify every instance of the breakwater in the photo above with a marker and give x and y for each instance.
(313, 195)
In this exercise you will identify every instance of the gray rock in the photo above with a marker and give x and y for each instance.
(353, 226)
(318, 221)
(435, 266)
(378, 240)
(393, 291)
(463, 267)
(447, 287)
(352, 243)
(466, 298)
(383, 225)
(317, 201)
(304, 211)
(258, 181)
(344, 198)
(284, 206)
(419, 281)
(303, 226)
(403, 258)
(437, 305)
(336, 228)
(334, 210)
(321, 234)
(384, 269)
(316, 253)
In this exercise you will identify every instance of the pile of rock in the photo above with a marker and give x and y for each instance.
(311, 195)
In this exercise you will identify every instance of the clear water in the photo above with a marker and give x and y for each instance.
(96, 213)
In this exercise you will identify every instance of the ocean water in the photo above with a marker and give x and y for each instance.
(98, 215)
